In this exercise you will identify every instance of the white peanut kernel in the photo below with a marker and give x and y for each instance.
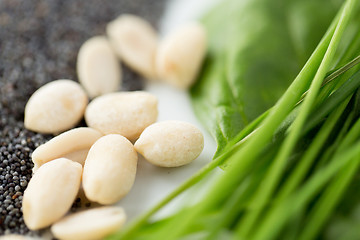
(110, 169)
(180, 55)
(124, 113)
(55, 107)
(97, 67)
(13, 237)
(90, 224)
(51, 192)
(135, 42)
(73, 144)
(170, 143)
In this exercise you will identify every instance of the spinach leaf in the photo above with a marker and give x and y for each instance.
(256, 48)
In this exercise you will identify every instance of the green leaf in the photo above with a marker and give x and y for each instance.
(256, 49)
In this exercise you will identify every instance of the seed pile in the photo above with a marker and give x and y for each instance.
(39, 43)
(16, 145)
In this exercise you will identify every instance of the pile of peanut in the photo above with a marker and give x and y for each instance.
(101, 159)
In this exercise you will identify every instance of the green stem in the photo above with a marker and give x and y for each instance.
(341, 70)
(328, 201)
(239, 199)
(333, 75)
(282, 212)
(333, 100)
(334, 191)
(310, 155)
(263, 195)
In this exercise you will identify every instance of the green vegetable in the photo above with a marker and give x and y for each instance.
(288, 173)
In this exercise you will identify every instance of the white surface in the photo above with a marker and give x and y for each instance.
(179, 12)
(153, 183)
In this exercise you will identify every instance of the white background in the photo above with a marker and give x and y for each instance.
(153, 183)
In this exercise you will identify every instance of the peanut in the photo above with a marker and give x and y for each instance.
(110, 169)
(181, 54)
(170, 143)
(135, 42)
(90, 224)
(55, 107)
(97, 67)
(51, 192)
(124, 113)
(73, 144)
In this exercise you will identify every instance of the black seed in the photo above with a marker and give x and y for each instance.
(23, 183)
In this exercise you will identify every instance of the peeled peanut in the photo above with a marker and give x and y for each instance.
(73, 144)
(78, 156)
(51, 192)
(124, 113)
(97, 67)
(110, 169)
(170, 143)
(181, 54)
(17, 237)
(90, 224)
(55, 107)
(135, 42)
(13, 237)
